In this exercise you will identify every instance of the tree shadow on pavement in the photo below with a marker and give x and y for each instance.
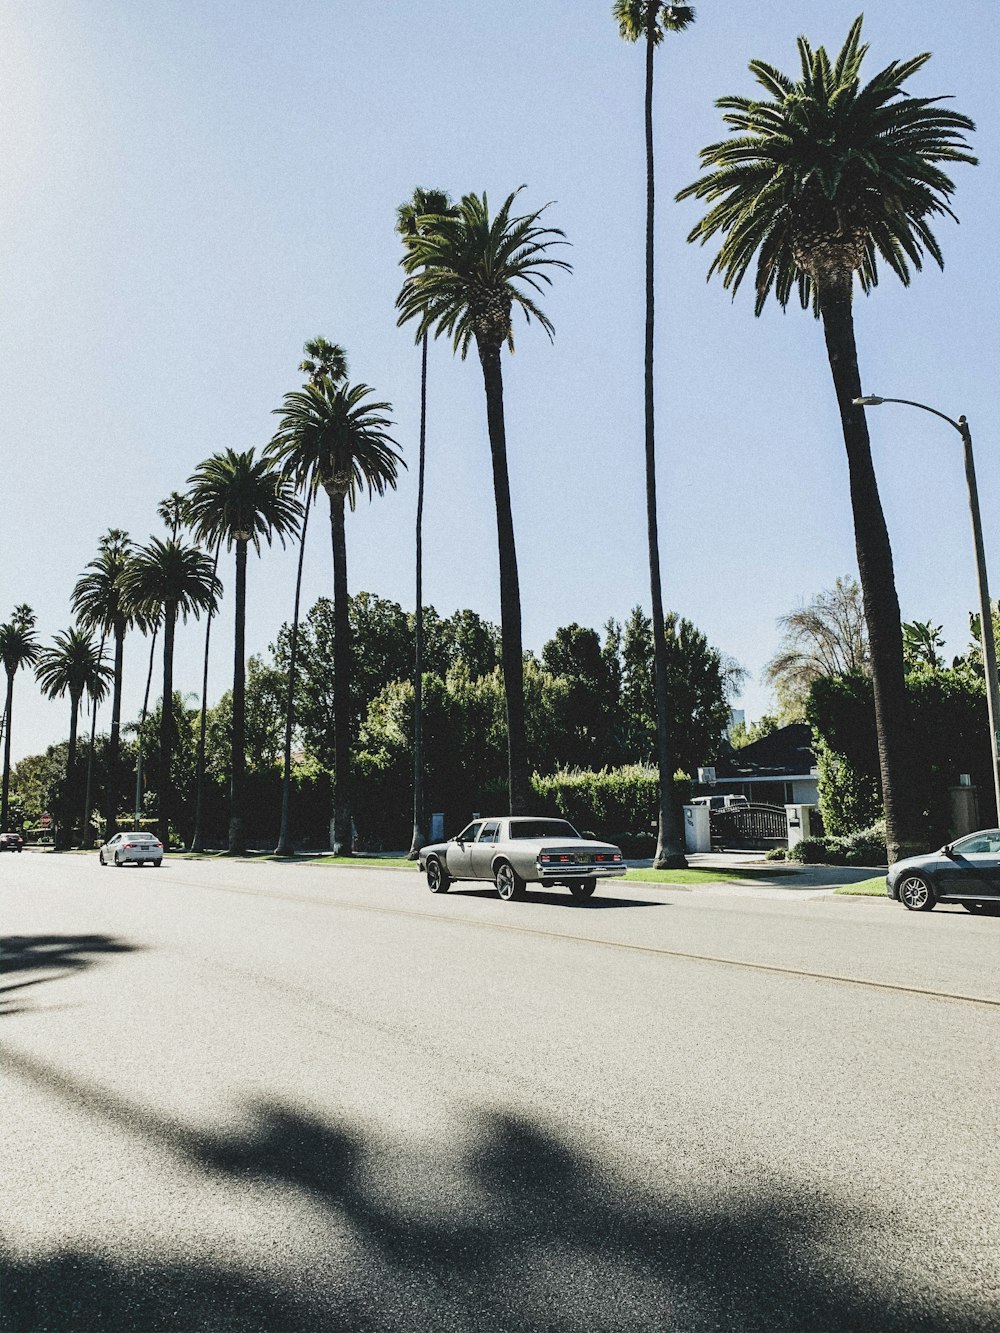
(512, 1228)
(57, 955)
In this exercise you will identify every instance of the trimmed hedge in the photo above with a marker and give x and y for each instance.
(864, 848)
(618, 803)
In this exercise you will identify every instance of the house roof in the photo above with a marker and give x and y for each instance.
(786, 752)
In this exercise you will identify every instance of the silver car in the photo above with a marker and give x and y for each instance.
(514, 852)
(135, 847)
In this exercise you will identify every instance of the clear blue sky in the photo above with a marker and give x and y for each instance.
(191, 190)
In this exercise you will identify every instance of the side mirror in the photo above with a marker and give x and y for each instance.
(948, 849)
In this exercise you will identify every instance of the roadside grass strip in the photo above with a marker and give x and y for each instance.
(865, 888)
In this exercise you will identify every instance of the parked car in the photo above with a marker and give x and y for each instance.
(11, 842)
(721, 802)
(519, 851)
(966, 872)
(135, 847)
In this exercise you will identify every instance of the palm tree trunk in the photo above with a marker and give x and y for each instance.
(341, 841)
(418, 839)
(66, 832)
(198, 837)
(85, 839)
(5, 794)
(669, 844)
(142, 723)
(510, 594)
(166, 726)
(878, 585)
(284, 847)
(114, 739)
(237, 781)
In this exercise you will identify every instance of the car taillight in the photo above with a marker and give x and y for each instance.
(544, 859)
(617, 856)
(130, 845)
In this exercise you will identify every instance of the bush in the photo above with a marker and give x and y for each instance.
(609, 801)
(810, 851)
(777, 854)
(864, 848)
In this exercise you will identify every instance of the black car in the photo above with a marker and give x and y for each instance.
(965, 872)
(11, 842)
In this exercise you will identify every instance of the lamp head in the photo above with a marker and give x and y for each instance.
(869, 400)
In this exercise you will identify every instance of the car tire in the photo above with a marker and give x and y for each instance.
(510, 885)
(100, 857)
(438, 878)
(916, 894)
(582, 889)
(156, 864)
(118, 861)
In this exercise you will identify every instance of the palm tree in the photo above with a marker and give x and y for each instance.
(332, 436)
(416, 215)
(18, 648)
(324, 360)
(100, 605)
(73, 665)
(650, 21)
(174, 512)
(821, 180)
(239, 499)
(462, 280)
(166, 579)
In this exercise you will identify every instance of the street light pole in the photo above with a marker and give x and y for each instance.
(985, 609)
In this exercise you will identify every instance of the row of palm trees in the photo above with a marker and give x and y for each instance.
(821, 179)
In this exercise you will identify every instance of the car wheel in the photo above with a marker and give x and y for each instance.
(509, 883)
(100, 857)
(118, 861)
(156, 864)
(915, 893)
(582, 889)
(438, 878)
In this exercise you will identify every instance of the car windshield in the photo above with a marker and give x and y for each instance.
(542, 828)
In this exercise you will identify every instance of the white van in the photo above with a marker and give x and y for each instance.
(721, 802)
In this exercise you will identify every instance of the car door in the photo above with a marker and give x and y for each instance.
(972, 867)
(482, 852)
(459, 854)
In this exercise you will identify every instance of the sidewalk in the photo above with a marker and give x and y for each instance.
(784, 875)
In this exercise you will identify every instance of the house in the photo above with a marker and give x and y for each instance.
(779, 769)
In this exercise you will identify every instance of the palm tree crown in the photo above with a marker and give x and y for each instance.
(73, 665)
(331, 436)
(237, 497)
(98, 598)
(828, 175)
(169, 574)
(466, 273)
(324, 360)
(636, 16)
(18, 645)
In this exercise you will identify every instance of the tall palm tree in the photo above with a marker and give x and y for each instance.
(73, 665)
(649, 21)
(165, 580)
(463, 276)
(333, 436)
(324, 360)
(239, 499)
(174, 512)
(198, 836)
(18, 648)
(416, 215)
(100, 605)
(824, 177)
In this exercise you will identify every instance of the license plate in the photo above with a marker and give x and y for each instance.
(582, 858)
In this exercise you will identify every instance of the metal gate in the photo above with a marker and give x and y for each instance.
(750, 827)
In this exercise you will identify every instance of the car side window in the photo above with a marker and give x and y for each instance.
(982, 843)
(490, 831)
(468, 834)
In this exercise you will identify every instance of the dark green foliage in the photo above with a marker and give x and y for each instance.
(947, 712)
(866, 847)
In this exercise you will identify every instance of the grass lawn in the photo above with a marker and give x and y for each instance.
(371, 862)
(719, 875)
(865, 888)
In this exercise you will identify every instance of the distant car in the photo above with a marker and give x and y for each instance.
(133, 847)
(513, 852)
(965, 872)
(11, 842)
(721, 802)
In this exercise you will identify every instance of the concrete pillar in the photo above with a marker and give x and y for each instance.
(697, 828)
(799, 823)
(964, 810)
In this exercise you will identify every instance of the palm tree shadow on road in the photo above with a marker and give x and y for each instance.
(61, 954)
(520, 1230)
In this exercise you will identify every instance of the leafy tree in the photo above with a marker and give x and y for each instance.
(825, 637)
(265, 719)
(464, 278)
(182, 719)
(650, 21)
(72, 665)
(591, 703)
(238, 500)
(702, 682)
(742, 734)
(824, 176)
(18, 648)
(922, 643)
(417, 215)
(165, 580)
(332, 436)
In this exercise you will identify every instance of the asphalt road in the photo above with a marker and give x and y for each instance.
(249, 1096)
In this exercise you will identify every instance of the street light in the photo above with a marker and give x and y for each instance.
(985, 612)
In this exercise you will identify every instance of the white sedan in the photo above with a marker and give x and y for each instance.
(136, 847)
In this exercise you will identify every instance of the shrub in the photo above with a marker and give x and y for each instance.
(777, 854)
(810, 851)
(864, 848)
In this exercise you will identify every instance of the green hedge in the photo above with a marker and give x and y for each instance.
(864, 848)
(614, 802)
